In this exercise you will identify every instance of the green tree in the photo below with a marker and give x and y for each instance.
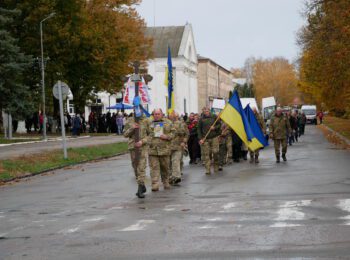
(90, 43)
(15, 96)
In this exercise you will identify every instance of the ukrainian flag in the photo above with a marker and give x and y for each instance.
(169, 83)
(254, 125)
(234, 116)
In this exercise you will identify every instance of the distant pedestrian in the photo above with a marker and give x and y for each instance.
(279, 128)
(120, 123)
(320, 116)
(76, 125)
(41, 122)
(192, 143)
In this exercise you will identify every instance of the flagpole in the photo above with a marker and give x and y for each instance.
(216, 120)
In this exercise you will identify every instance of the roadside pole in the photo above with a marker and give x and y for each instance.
(64, 145)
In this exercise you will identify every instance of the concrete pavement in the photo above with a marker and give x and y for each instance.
(296, 210)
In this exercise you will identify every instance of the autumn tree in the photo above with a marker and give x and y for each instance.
(325, 59)
(90, 43)
(275, 77)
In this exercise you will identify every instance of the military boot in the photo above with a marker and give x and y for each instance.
(284, 157)
(216, 168)
(140, 191)
(251, 159)
(278, 159)
(256, 159)
(155, 186)
(166, 185)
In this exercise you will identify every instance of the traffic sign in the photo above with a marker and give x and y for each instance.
(65, 90)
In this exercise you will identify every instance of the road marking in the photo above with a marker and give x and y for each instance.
(117, 207)
(213, 219)
(290, 210)
(207, 227)
(70, 230)
(139, 225)
(344, 205)
(229, 206)
(169, 209)
(94, 219)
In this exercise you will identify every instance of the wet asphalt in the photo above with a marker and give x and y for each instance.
(298, 209)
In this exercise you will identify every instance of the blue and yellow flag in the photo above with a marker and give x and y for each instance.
(255, 126)
(234, 116)
(169, 83)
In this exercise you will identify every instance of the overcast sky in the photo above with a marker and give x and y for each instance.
(229, 31)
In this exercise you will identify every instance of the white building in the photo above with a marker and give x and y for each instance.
(184, 61)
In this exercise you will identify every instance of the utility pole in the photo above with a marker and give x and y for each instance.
(43, 73)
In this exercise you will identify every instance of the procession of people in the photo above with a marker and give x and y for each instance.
(164, 141)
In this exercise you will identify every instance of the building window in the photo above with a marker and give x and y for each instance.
(185, 110)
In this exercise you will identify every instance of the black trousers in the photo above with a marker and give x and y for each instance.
(194, 149)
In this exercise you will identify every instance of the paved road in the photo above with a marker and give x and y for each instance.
(295, 210)
(15, 150)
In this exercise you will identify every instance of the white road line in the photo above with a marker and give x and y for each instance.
(69, 231)
(139, 225)
(207, 227)
(344, 205)
(229, 206)
(290, 210)
(99, 218)
(213, 219)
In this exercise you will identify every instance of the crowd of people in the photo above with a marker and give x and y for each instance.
(76, 124)
(205, 138)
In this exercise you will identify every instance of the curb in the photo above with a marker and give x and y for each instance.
(44, 141)
(60, 167)
(343, 138)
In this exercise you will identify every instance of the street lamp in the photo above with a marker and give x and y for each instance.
(43, 72)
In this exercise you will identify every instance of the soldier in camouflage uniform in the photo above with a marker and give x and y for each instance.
(280, 129)
(225, 146)
(160, 133)
(178, 144)
(140, 168)
(210, 145)
(254, 156)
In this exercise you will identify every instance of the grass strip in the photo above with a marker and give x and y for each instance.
(17, 140)
(33, 164)
(340, 125)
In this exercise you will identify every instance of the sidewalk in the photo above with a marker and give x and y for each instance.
(26, 148)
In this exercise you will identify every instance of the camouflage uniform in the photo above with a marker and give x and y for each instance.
(280, 128)
(180, 136)
(225, 146)
(254, 156)
(210, 148)
(159, 152)
(140, 169)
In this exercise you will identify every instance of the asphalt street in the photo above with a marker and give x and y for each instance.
(20, 149)
(298, 209)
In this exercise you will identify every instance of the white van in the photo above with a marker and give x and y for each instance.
(268, 108)
(310, 113)
(251, 101)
